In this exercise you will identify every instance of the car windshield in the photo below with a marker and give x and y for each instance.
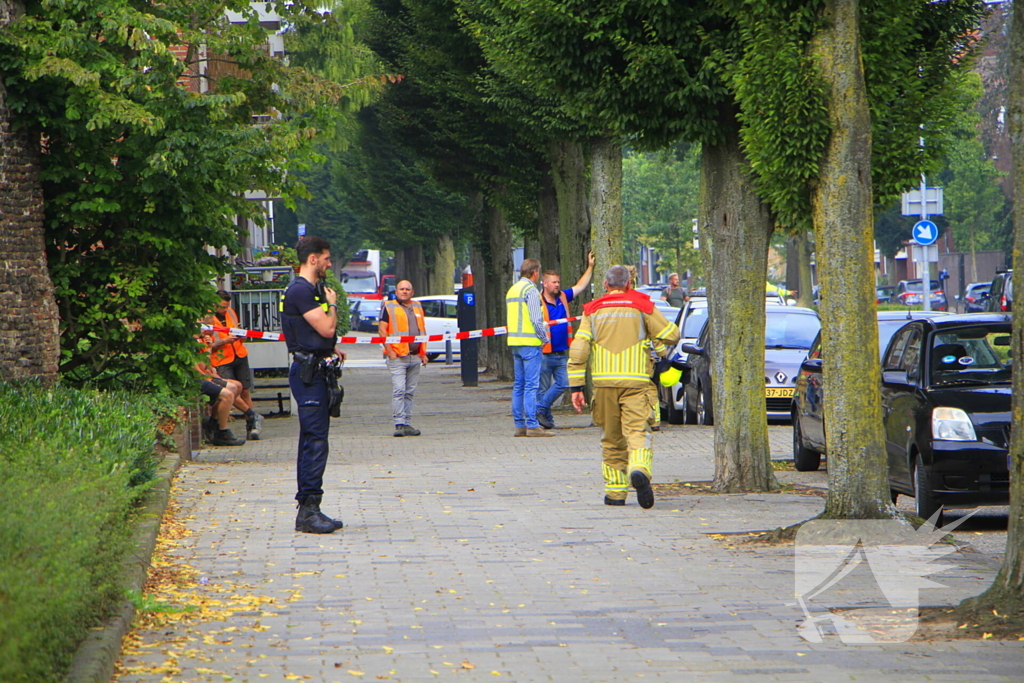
(694, 322)
(785, 330)
(974, 355)
(359, 283)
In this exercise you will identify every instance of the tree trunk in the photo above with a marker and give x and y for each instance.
(805, 283)
(442, 266)
(1007, 591)
(735, 229)
(605, 202)
(843, 221)
(29, 320)
(499, 278)
(410, 265)
(547, 223)
(531, 249)
(569, 172)
(974, 261)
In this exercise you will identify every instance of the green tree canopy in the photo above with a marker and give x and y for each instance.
(659, 199)
(142, 174)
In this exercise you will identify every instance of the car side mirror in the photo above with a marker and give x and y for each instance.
(811, 365)
(687, 347)
(912, 374)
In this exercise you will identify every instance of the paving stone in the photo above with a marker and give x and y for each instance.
(468, 545)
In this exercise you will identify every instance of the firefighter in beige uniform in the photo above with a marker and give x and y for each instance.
(613, 338)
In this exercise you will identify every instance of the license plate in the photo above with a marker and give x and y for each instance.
(778, 392)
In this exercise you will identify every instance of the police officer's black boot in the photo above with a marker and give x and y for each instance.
(311, 521)
(316, 503)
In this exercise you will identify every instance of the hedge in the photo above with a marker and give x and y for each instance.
(72, 465)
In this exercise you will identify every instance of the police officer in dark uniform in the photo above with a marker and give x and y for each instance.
(309, 316)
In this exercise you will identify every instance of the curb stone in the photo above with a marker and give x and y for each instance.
(95, 658)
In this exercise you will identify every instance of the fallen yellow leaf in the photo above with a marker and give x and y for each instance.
(356, 673)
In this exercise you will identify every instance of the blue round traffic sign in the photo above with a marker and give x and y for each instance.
(925, 233)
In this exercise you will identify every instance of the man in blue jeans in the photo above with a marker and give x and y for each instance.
(526, 334)
(554, 379)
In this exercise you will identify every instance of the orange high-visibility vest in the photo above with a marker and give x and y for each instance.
(228, 352)
(398, 325)
(547, 318)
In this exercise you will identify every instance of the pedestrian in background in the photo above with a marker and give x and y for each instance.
(231, 359)
(526, 335)
(556, 351)
(674, 294)
(612, 340)
(403, 317)
(309, 319)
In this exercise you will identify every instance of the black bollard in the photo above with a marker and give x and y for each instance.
(466, 311)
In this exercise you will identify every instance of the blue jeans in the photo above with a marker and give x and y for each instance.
(314, 403)
(528, 360)
(553, 366)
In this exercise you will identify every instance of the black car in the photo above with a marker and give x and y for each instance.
(365, 314)
(975, 295)
(809, 396)
(946, 397)
(1000, 294)
(883, 293)
(789, 332)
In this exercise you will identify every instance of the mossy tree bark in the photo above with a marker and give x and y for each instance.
(1007, 591)
(843, 223)
(605, 202)
(735, 230)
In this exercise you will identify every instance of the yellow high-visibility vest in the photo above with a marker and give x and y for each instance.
(521, 331)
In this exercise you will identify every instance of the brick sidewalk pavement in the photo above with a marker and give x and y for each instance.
(470, 555)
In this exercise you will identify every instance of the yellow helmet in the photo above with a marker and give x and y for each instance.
(670, 377)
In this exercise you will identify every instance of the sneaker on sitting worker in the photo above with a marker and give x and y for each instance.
(545, 421)
(225, 437)
(254, 428)
(410, 430)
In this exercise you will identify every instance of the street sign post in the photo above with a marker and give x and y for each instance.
(911, 203)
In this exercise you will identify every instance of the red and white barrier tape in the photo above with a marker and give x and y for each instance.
(472, 334)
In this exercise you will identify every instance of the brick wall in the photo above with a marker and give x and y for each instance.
(29, 338)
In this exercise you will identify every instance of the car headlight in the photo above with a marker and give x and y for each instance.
(952, 424)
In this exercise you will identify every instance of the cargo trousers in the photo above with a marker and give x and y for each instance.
(623, 413)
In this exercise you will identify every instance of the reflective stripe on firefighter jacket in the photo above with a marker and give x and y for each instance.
(228, 352)
(613, 337)
(398, 325)
(521, 331)
(547, 319)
